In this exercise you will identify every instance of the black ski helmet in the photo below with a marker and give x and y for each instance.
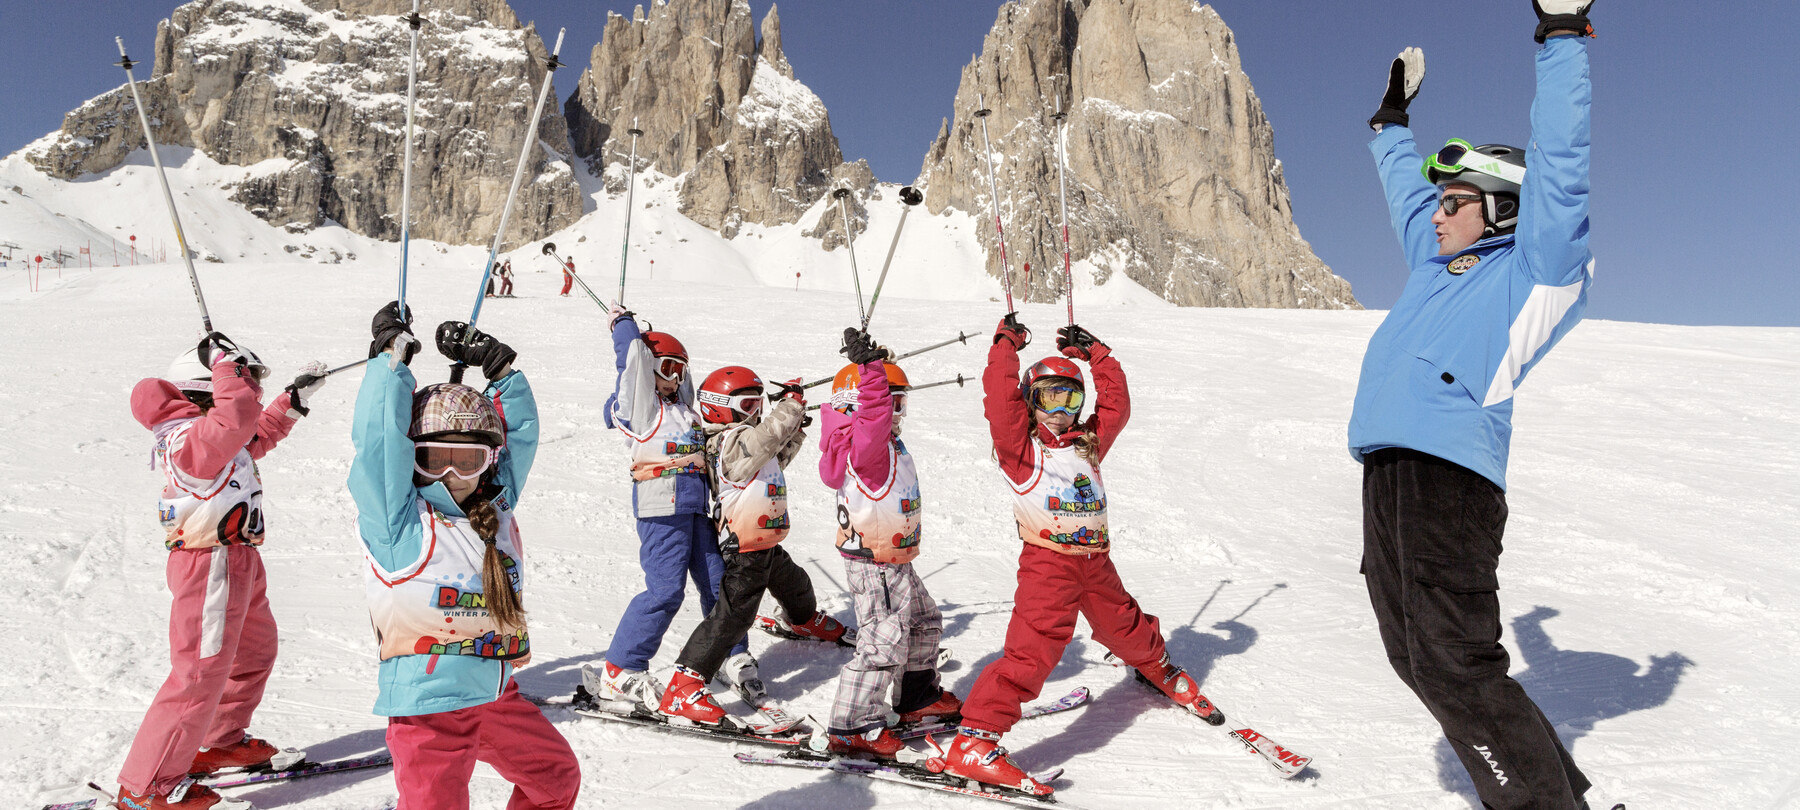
(1454, 164)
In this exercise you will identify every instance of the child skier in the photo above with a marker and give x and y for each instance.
(435, 479)
(210, 428)
(746, 455)
(1052, 463)
(506, 278)
(898, 624)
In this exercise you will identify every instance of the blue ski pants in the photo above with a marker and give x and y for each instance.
(671, 550)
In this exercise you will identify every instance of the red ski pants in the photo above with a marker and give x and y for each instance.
(221, 649)
(568, 282)
(435, 754)
(1053, 588)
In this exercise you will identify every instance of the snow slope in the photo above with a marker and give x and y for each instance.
(1648, 584)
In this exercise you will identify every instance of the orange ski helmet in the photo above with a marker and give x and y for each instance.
(843, 386)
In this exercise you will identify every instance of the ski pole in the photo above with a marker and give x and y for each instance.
(346, 367)
(994, 193)
(550, 66)
(630, 188)
(550, 250)
(958, 380)
(163, 176)
(960, 338)
(412, 95)
(841, 194)
(911, 197)
(1063, 192)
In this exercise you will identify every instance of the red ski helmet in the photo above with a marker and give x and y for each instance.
(844, 385)
(1053, 366)
(663, 344)
(729, 395)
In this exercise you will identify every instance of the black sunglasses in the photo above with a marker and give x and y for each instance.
(1451, 202)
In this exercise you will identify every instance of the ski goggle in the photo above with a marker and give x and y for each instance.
(899, 402)
(670, 367)
(746, 404)
(1459, 155)
(465, 461)
(1451, 202)
(1058, 399)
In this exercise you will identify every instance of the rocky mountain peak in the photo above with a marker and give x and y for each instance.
(1172, 176)
(755, 145)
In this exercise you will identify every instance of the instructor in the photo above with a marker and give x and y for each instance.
(1495, 239)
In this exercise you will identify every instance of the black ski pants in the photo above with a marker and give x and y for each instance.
(1431, 549)
(747, 575)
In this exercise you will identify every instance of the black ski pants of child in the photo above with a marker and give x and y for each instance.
(1431, 547)
(747, 575)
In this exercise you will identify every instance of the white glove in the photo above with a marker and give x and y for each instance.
(1562, 6)
(312, 377)
(1568, 16)
(1405, 76)
(399, 348)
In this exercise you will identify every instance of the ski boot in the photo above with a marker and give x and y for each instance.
(947, 708)
(1174, 681)
(771, 717)
(188, 795)
(687, 699)
(249, 754)
(976, 756)
(824, 628)
(878, 742)
(622, 688)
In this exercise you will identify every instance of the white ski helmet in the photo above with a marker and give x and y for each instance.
(189, 374)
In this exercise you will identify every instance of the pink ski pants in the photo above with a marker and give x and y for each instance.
(221, 648)
(435, 754)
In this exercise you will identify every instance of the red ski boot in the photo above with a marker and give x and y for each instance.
(189, 795)
(976, 755)
(880, 742)
(1174, 681)
(686, 697)
(947, 708)
(823, 628)
(248, 753)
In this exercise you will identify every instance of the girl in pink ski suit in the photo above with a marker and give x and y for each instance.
(222, 637)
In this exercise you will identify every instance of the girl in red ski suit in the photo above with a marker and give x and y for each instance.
(222, 637)
(1059, 503)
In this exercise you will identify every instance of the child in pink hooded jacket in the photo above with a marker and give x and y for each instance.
(862, 457)
(210, 428)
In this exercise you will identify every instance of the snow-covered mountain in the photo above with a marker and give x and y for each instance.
(1648, 582)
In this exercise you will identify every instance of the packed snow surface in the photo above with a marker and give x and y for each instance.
(1648, 584)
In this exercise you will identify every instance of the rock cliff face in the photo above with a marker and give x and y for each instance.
(713, 102)
(1172, 173)
(313, 93)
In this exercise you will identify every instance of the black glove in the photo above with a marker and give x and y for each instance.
(861, 348)
(465, 344)
(792, 388)
(1012, 331)
(1075, 336)
(387, 325)
(1405, 76)
(1562, 15)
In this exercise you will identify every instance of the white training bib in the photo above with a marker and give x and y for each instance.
(883, 524)
(1063, 506)
(755, 511)
(674, 445)
(434, 605)
(223, 511)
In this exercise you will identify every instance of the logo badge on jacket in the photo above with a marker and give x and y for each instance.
(1461, 264)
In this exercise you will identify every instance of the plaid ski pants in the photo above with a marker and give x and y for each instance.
(898, 627)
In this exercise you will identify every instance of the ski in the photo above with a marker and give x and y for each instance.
(1075, 698)
(906, 774)
(732, 730)
(299, 770)
(1286, 762)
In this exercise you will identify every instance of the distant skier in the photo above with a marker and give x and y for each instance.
(506, 278)
(898, 623)
(568, 277)
(653, 406)
(1500, 270)
(435, 479)
(746, 455)
(210, 428)
(1051, 461)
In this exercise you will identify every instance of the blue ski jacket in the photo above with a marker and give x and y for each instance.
(381, 484)
(1439, 374)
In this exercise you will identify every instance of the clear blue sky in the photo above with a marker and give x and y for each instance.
(1695, 110)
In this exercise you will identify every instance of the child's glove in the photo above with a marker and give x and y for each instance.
(861, 348)
(312, 378)
(1011, 331)
(792, 389)
(616, 313)
(465, 344)
(393, 333)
